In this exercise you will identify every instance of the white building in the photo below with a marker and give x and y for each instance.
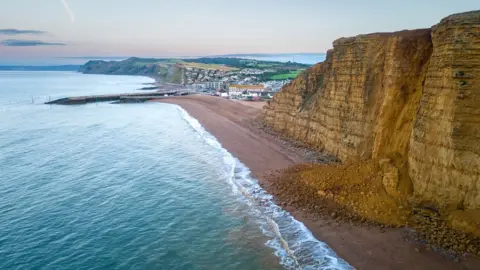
(236, 89)
(198, 86)
(214, 85)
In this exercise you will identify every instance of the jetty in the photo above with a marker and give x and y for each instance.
(117, 98)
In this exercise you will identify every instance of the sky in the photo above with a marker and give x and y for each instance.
(47, 31)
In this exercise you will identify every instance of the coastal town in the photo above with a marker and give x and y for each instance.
(220, 76)
(236, 84)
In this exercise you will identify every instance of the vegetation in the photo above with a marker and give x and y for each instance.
(246, 63)
(286, 76)
(221, 67)
(231, 62)
(279, 74)
(268, 65)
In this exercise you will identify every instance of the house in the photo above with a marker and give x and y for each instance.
(237, 89)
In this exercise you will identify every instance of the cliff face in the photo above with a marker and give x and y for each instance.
(410, 99)
(444, 157)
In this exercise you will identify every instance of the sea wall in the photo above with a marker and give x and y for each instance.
(409, 99)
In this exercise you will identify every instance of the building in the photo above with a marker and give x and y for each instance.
(198, 86)
(237, 89)
(214, 85)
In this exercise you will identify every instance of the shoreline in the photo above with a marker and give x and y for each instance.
(364, 247)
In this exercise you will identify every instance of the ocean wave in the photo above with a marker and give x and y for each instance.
(293, 243)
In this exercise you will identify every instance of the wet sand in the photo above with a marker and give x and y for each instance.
(363, 247)
(225, 120)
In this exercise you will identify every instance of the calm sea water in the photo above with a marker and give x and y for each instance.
(132, 186)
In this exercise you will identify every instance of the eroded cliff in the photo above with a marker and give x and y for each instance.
(409, 99)
(444, 156)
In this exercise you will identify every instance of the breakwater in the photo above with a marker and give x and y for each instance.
(121, 98)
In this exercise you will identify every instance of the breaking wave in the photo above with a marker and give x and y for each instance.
(293, 243)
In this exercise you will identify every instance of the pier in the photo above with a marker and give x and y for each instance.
(118, 98)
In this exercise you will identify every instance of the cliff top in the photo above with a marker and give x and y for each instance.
(402, 33)
(474, 14)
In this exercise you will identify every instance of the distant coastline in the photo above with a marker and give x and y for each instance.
(40, 68)
(302, 58)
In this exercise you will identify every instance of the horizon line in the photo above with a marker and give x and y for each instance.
(180, 56)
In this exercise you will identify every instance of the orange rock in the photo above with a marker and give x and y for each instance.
(410, 96)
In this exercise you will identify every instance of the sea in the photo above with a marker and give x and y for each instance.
(130, 186)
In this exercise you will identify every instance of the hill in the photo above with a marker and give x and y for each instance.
(174, 70)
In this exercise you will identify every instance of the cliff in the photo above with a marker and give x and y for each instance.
(409, 100)
(163, 69)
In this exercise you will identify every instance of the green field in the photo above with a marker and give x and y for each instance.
(286, 76)
(208, 66)
(160, 62)
(267, 65)
(167, 63)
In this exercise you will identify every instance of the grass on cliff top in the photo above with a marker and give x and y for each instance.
(163, 62)
(207, 66)
(169, 62)
(267, 65)
(286, 76)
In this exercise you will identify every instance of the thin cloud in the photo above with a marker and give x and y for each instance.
(12, 32)
(28, 43)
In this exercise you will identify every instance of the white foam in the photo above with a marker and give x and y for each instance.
(293, 243)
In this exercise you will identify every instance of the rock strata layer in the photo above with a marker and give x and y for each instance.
(409, 99)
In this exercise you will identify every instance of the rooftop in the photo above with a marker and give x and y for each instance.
(247, 86)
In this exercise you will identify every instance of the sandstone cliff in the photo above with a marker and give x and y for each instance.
(409, 99)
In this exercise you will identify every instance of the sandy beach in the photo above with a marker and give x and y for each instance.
(364, 247)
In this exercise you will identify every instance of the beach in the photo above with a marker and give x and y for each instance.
(364, 247)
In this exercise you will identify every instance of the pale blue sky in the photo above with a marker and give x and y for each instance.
(203, 27)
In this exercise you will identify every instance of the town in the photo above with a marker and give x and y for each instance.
(234, 84)
(233, 78)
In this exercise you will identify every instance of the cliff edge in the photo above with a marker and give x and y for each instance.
(408, 100)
